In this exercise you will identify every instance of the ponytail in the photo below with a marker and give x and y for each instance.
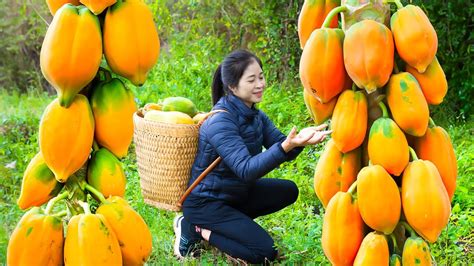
(217, 85)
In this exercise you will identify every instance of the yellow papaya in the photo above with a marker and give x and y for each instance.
(416, 251)
(54, 5)
(90, 240)
(135, 244)
(425, 201)
(319, 112)
(171, 117)
(97, 6)
(379, 199)
(436, 147)
(387, 145)
(407, 104)
(335, 171)
(373, 250)
(66, 62)
(37, 240)
(312, 15)
(368, 54)
(343, 229)
(349, 120)
(131, 43)
(113, 106)
(433, 82)
(38, 185)
(105, 173)
(66, 136)
(414, 36)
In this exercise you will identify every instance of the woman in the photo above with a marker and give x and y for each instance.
(222, 207)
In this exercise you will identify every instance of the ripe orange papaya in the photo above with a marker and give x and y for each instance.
(425, 200)
(37, 240)
(54, 5)
(387, 145)
(319, 112)
(136, 245)
(433, 82)
(90, 240)
(335, 171)
(97, 6)
(38, 185)
(407, 104)
(131, 43)
(343, 229)
(349, 120)
(436, 147)
(373, 250)
(65, 61)
(312, 16)
(415, 38)
(379, 199)
(368, 54)
(66, 136)
(105, 173)
(321, 67)
(113, 106)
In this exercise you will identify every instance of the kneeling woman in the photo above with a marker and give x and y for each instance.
(222, 207)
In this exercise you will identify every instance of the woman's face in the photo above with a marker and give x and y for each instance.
(251, 85)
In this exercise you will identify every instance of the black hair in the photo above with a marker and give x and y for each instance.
(229, 72)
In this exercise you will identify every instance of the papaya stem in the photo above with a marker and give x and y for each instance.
(408, 228)
(384, 109)
(95, 146)
(85, 206)
(432, 123)
(352, 188)
(354, 87)
(413, 153)
(331, 14)
(395, 68)
(94, 191)
(60, 214)
(54, 200)
(394, 240)
(396, 2)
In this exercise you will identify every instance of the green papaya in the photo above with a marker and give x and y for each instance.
(180, 104)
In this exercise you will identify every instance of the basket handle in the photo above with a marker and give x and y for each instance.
(198, 180)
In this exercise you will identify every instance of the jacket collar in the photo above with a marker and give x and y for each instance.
(235, 103)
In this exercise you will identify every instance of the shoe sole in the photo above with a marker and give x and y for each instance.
(177, 233)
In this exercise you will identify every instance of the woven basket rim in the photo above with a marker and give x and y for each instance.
(140, 119)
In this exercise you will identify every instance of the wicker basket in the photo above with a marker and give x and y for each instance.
(165, 154)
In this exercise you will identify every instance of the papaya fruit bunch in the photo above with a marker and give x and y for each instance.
(173, 110)
(83, 134)
(387, 166)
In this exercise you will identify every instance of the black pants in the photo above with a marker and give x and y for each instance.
(233, 229)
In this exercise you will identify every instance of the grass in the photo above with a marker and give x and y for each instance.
(296, 229)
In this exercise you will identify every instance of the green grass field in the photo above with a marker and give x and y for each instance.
(296, 229)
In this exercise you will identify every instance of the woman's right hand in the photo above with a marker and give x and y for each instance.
(307, 136)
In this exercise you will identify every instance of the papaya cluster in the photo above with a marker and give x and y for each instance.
(387, 176)
(83, 134)
(173, 110)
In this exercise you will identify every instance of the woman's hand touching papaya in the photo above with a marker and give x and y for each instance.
(307, 136)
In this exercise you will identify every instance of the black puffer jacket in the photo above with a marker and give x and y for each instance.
(237, 136)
